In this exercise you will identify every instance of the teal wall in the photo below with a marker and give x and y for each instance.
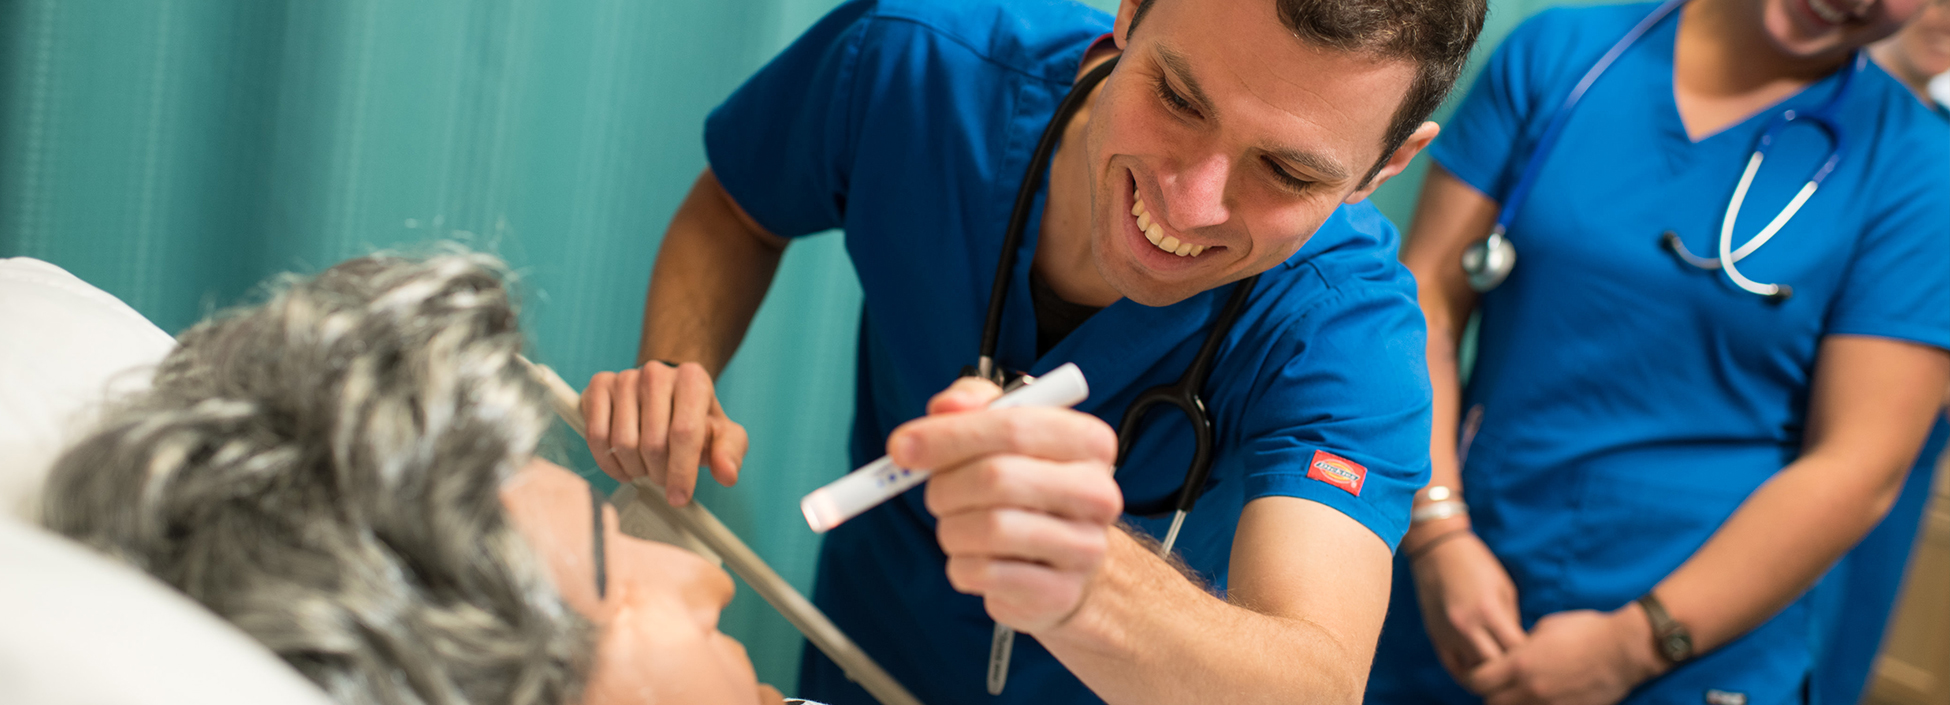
(177, 152)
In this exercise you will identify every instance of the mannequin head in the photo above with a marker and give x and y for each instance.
(346, 473)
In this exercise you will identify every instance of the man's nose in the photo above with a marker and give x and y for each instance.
(1195, 194)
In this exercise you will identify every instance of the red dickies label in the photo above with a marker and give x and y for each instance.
(1337, 471)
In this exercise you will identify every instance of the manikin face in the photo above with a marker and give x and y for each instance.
(657, 624)
(1239, 139)
(1830, 29)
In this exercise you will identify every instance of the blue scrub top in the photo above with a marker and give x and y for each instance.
(909, 125)
(1630, 403)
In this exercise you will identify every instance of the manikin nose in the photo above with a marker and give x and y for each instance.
(1195, 194)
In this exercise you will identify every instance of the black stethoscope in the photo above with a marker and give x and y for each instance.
(1182, 394)
(1488, 262)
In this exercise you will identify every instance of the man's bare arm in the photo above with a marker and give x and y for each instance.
(712, 272)
(662, 422)
(1308, 590)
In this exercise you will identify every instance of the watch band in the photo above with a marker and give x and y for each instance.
(1669, 637)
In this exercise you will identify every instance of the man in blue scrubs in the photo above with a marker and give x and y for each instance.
(1232, 139)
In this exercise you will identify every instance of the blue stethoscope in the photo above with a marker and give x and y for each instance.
(1488, 262)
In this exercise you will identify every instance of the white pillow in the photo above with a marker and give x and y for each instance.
(82, 629)
(77, 628)
(65, 347)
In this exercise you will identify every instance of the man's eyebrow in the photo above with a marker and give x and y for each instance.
(1322, 165)
(1176, 63)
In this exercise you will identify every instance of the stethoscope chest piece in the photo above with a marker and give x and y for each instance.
(1487, 262)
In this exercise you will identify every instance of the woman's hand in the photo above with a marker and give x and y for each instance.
(1579, 657)
(1469, 604)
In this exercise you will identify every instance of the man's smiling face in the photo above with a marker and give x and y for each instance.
(1224, 137)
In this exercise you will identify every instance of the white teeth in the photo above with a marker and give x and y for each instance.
(1827, 12)
(1156, 234)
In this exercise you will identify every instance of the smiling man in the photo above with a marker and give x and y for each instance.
(1232, 138)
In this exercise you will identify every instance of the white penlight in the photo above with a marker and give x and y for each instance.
(882, 480)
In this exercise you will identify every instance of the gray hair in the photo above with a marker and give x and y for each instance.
(323, 471)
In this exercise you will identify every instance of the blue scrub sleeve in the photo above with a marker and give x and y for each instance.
(783, 143)
(1491, 135)
(1354, 399)
(1898, 283)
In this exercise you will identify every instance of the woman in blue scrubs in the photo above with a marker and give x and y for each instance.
(1651, 464)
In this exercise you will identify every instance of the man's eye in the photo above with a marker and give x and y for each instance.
(1285, 177)
(1173, 100)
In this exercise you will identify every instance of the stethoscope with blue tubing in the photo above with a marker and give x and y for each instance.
(1183, 394)
(1488, 262)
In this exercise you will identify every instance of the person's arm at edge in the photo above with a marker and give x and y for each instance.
(1481, 617)
(1449, 215)
(712, 272)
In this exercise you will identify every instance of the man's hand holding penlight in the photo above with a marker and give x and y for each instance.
(1024, 499)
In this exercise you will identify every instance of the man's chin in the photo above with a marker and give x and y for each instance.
(1144, 290)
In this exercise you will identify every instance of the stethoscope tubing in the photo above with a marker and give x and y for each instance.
(1488, 261)
(1032, 182)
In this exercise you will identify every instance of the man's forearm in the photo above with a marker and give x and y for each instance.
(711, 274)
(1148, 635)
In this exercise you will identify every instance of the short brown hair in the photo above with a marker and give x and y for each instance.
(1435, 34)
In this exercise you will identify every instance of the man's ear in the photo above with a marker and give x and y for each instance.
(1121, 32)
(1416, 142)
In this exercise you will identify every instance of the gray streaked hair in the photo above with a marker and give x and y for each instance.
(323, 471)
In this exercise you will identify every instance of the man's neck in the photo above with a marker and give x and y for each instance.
(1063, 257)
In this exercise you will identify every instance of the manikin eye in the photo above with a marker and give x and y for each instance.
(596, 503)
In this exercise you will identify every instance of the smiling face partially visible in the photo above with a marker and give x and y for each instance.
(1222, 141)
(1830, 29)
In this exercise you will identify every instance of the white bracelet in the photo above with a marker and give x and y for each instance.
(1437, 510)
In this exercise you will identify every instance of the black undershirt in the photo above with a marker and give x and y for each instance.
(1055, 318)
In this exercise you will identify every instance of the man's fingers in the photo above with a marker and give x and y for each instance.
(595, 403)
(657, 384)
(1024, 595)
(966, 394)
(625, 434)
(690, 429)
(1009, 534)
(727, 449)
(952, 439)
(1080, 490)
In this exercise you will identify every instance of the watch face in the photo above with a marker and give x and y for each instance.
(1677, 647)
